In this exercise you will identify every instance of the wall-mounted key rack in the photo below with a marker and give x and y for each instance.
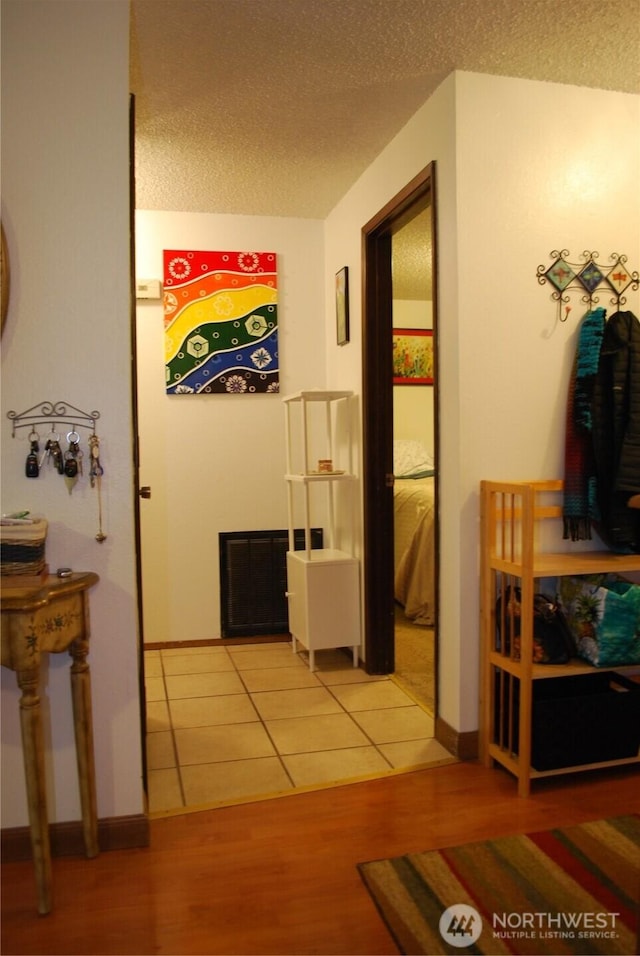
(55, 414)
(59, 416)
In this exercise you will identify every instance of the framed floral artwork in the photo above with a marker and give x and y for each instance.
(342, 306)
(413, 356)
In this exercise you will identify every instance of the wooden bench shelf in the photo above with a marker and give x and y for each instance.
(511, 522)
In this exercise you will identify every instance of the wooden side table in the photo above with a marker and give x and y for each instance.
(51, 616)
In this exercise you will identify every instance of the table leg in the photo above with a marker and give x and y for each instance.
(83, 727)
(33, 751)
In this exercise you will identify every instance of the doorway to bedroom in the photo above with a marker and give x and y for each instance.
(413, 456)
(400, 398)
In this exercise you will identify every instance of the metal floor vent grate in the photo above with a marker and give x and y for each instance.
(253, 580)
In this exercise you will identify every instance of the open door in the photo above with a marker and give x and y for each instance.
(136, 444)
(377, 235)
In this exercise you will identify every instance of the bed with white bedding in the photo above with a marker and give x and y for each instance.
(414, 532)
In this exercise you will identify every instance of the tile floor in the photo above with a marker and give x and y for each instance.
(229, 723)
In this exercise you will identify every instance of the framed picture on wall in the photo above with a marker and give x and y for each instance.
(413, 356)
(342, 306)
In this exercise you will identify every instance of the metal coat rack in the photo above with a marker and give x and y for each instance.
(54, 414)
(589, 277)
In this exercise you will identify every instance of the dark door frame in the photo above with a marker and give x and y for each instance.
(377, 405)
(136, 440)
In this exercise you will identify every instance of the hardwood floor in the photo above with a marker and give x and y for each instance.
(279, 877)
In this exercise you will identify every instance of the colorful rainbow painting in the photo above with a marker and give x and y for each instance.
(221, 322)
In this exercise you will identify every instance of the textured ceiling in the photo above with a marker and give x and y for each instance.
(275, 107)
(411, 258)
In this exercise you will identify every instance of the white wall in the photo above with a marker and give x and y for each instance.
(216, 462)
(566, 185)
(429, 136)
(65, 208)
(522, 168)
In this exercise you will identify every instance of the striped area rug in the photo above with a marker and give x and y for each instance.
(573, 890)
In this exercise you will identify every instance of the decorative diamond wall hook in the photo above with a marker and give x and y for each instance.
(587, 277)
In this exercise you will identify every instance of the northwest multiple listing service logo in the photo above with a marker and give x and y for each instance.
(461, 926)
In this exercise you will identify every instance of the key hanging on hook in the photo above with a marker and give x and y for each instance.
(96, 472)
(46, 454)
(53, 451)
(71, 461)
(32, 465)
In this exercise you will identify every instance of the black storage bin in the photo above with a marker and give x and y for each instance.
(583, 719)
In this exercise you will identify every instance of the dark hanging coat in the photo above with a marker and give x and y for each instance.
(616, 432)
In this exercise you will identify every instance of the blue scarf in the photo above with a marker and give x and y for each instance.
(580, 505)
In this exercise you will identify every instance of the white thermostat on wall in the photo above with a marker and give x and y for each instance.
(148, 289)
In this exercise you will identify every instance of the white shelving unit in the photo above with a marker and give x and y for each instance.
(323, 585)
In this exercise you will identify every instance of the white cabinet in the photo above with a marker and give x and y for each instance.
(323, 585)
